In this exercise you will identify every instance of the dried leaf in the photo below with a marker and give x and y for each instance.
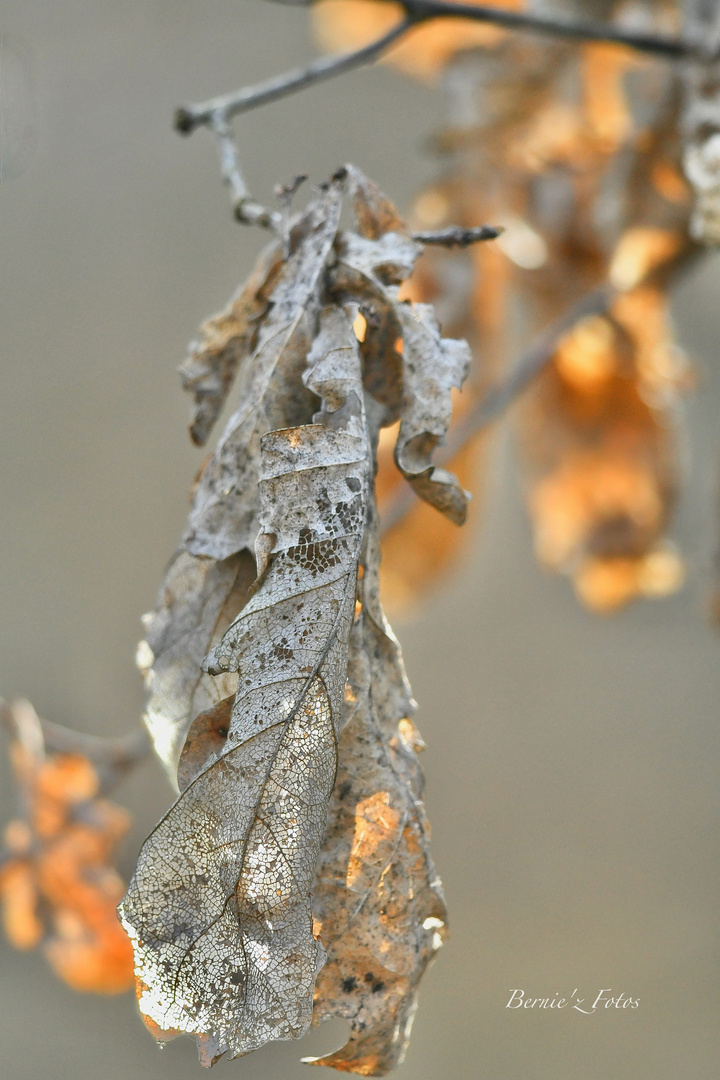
(377, 900)
(432, 366)
(226, 341)
(205, 741)
(370, 265)
(375, 215)
(198, 600)
(365, 270)
(218, 909)
(208, 579)
(224, 516)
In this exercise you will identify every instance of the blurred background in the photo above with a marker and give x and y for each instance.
(572, 761)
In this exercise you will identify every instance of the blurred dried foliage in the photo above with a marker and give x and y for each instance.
(577, 152)
(58, 888)
(291, 881)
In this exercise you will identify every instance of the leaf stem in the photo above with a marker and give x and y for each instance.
(455, 236)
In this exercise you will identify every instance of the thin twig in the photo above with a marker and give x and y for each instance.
(120, 753)
(551, 26)
(454, 236)
(584, 30)
(531, 363)
(188, 117)
(246, 209)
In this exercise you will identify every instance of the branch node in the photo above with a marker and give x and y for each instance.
(184, 120)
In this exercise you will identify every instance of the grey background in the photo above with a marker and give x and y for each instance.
(572, 762)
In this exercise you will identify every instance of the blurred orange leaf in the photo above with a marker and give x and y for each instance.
(58, 887)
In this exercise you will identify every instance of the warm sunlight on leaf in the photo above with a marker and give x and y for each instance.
(229, 911)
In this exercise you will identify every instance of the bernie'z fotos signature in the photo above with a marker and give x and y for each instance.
(518, 1000)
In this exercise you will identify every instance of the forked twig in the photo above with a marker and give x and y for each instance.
(189, 117)
(217, 112)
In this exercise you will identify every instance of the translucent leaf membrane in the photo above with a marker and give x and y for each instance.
(299, 838)
(58, 885)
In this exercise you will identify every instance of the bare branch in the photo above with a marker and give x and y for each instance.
(547, 25)
(454, 236)
(120, 753)
(550, 26)
(188, 117)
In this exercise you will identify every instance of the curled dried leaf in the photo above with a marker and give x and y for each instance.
(432, 367)
(223, 519)
(270, 327)
(219, 909)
